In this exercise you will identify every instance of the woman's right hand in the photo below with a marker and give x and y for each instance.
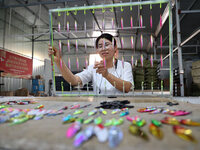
(55, 52)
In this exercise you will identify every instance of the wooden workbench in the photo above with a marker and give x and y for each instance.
(49, 133)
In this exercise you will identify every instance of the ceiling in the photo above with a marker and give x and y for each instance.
(36, 14)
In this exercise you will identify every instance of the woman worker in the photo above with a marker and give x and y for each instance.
(108, 76)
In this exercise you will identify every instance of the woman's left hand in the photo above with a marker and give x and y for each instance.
(101, 69)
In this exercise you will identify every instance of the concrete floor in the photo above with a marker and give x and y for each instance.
(49, 133)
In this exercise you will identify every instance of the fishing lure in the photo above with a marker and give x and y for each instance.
(141, 59)
(109, 122)
(180, 113)
(68, 46)
(161, 41)
(67, 26)
(115, 136)
(93, 112)
(117, 122)
(183, 133)
(151, 22)
(89, 120)
(83, 136)
(122, 23)
(139, 123)
(170, 121)
(141, 41)
(79, 111)
(75, 25)
(75, 106)
(151, 40)
(154, 130)
(138, 132)
(103, 24)
(189, 122)
(132, 42)
(98, 120)
(101, 132)
(151, 60)
(156, 122)
(58, 26)
(101, 110)
(113, 23)
(131, 22)
(124, 113)
(19, 121)
(73, 129)
(141, 21)
(116, 111)
(39, 107)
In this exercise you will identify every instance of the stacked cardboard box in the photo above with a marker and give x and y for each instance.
(146, 74)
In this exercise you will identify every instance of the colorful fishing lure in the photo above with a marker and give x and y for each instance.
(138, 132)
(115, 136)
(156, 131)
(73, 129)
(189, 122)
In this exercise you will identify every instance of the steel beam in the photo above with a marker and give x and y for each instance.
(180, 61)
(189, 11)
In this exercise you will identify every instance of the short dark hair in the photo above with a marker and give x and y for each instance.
(106, 36)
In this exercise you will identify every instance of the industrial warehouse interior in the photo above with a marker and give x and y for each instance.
(93, 74)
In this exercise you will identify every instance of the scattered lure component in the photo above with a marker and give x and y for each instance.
(101, 132)
(69, 64)
(113, 23)
(69, 119)
(79, 111)
(189, 122)
(122, 23)
(117, 122)
(141, 21)
(131, 22)
(156, 122)
(132, 45)
(161, 60)
(183, 133)
(39, 107)
(115, 104)
(172, 104)
(67, 26)
(58, 26)
(83, 136)
(124, 113)
(108, 123)
(180, 113)
(84, 106)
(101, 110)
(19, 120)
(136, 118)
(156, 131)
(93, 112)
(141, 41)
(68, 46)
(151, 40)
(138, 132)
(170, 121)
(141, 59)
(146, 109)
(38, 117)
(77, 63)
(80, 120)
(115, 136)
(151, 22)
(98, 120)
(89, 120)
(73, 129)
(151, 60)
(74, 106)
(139, 123)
